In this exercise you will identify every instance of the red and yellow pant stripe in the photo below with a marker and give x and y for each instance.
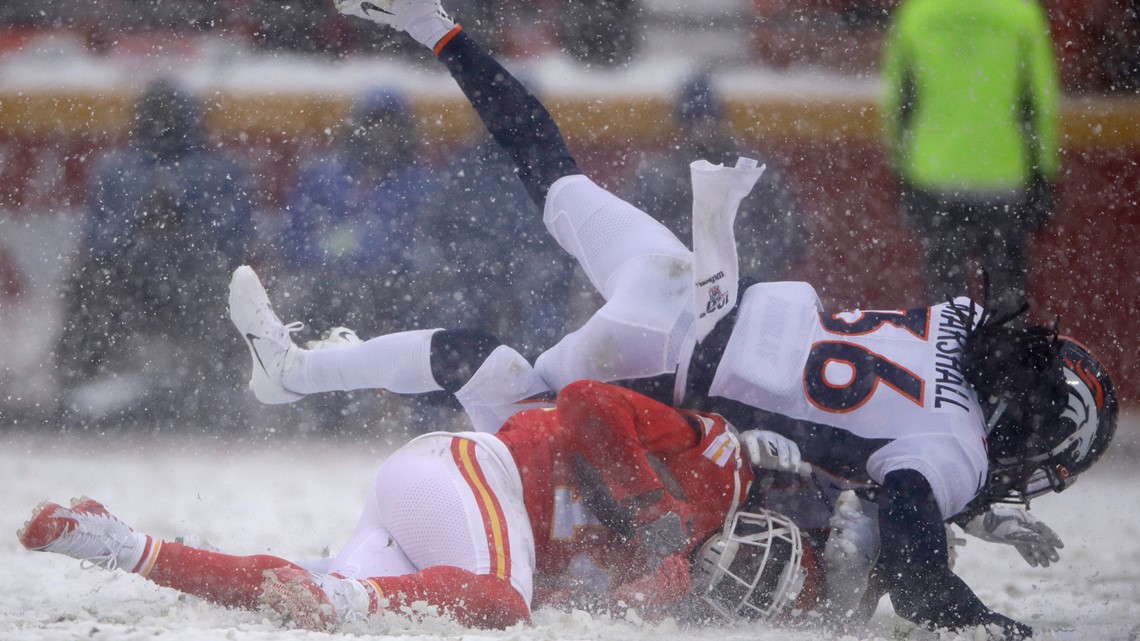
(494, 521)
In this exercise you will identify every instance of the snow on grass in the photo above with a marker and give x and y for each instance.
(297, 497)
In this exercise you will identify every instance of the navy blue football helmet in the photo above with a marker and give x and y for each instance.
(1031, 455)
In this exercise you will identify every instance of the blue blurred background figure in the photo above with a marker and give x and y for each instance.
(511, 277)
(358, 246)
(166, 218)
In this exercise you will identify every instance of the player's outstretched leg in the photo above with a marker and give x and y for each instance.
(85, 531)
(515, 118)
(271, 347)
(488, 378)
(88, 532)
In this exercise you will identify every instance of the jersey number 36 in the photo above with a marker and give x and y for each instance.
(841, 376)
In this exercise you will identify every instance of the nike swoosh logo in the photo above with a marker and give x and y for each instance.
(368, 8)
(250, 337)
(344, 334)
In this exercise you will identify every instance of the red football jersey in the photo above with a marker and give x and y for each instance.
(652, 458)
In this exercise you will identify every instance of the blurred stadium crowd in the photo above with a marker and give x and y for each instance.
(1097, 40)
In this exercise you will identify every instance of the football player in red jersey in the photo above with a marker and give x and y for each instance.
(943, 410)
(608, 499)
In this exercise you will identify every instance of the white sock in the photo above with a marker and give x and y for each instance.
(131, 556)
(399, 363)
(493, 393)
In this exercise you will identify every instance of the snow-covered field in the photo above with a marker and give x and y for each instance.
(294, 497)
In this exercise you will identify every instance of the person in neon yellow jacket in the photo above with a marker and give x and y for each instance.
(971, 112)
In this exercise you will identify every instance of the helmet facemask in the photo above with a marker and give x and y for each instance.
(752, 569)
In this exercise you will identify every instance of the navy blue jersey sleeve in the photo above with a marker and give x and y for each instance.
(518, 122)
(915, 565)
(456, 354)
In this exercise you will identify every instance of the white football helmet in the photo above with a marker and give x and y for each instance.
(752, 569)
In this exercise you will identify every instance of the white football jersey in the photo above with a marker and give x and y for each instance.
(886, 376)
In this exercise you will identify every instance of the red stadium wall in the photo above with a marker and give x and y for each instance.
(1085, 264)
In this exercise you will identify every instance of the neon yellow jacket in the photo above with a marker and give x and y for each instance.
(971, 94)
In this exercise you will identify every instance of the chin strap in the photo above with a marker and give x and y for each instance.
(996, 415)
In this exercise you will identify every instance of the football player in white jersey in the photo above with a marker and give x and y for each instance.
(942, 410)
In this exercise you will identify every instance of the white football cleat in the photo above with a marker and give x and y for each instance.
(398, 14)
(296, 597)
(378, 11)
(270, 345)
(313, 601)
(85, 531)
(335, 337)
(424, 20)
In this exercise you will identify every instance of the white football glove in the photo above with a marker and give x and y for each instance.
(770, 451)
(854, 534)
(1014, 525)
(849, 554)
(424, 20)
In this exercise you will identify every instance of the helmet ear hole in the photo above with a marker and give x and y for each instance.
(1059, 476)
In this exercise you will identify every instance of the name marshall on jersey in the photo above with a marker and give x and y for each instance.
(950, 387)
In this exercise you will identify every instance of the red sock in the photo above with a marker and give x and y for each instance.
(230, 581)
(474, 600)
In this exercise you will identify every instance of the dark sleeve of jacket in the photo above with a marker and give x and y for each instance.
(915, 566)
